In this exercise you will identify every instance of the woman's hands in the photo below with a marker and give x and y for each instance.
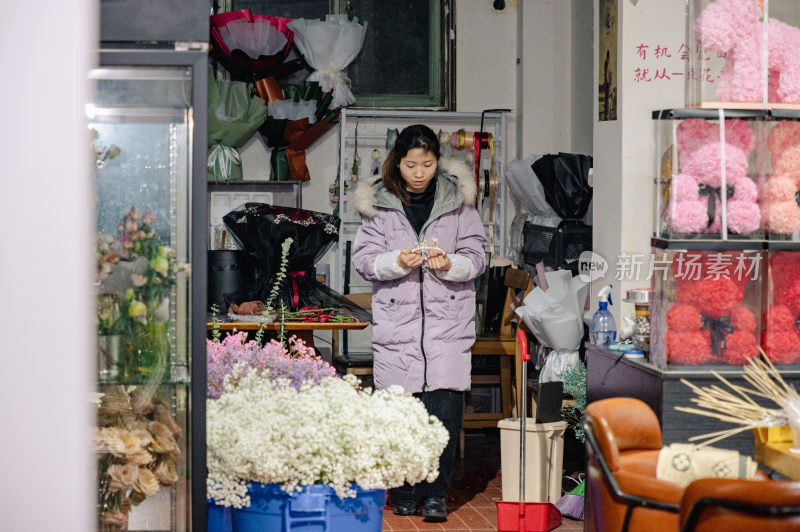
(409, 259)
(437, 259)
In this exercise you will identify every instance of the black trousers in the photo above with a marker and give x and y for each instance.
(448, 406)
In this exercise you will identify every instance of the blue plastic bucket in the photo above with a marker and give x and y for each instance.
(313, 509)
(220, 518)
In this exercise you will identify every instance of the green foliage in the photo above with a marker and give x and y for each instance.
(273, 293)
(575, 385)
(282, 332)
(281, 275)
(215, 334)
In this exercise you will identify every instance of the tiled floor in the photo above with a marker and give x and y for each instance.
(475, 488)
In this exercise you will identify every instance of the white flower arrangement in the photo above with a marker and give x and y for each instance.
(332, 433)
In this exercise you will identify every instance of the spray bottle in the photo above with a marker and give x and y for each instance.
(603, 329)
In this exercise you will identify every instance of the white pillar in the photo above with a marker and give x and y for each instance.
(46, 269)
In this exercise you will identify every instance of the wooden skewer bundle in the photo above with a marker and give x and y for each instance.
(737, 403)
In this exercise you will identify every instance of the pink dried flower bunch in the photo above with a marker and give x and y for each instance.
(297, 362)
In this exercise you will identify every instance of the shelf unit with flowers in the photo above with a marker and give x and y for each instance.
(725, 264)
(147, 124)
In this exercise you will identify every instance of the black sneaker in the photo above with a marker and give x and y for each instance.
(434, 510)
(405, 507)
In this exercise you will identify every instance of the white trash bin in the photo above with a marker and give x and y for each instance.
(544, 459)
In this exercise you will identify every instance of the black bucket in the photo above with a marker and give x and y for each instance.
(228, 271)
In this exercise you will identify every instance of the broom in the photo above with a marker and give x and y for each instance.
(571, 504)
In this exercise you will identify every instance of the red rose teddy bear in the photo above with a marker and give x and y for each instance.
(708, 324)
(780, 193)
(781, 335)
(697, 191)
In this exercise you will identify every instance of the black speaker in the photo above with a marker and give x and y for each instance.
(548, 405)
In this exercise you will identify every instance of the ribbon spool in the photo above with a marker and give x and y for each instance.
(469, 141)
(482, 140)
(455, 140)
(444, 138)
(493, 185)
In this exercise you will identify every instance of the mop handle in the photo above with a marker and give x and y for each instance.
(522, 341)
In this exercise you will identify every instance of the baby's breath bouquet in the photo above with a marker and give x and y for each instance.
(266, 429)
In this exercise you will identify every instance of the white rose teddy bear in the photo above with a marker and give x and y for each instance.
(695, 206)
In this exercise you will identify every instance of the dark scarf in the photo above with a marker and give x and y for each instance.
(420, 206)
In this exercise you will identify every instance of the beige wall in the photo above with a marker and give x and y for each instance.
(624, 150)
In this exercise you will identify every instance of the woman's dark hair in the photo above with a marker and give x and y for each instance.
(416, 136)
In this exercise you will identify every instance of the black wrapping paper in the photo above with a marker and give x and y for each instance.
(261, 228)
(565, 179)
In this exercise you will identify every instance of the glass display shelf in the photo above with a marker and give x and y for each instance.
(147, 135)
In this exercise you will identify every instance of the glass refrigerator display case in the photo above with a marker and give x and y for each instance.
(147, 127)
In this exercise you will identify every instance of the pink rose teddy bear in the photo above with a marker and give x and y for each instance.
(697, 191)
(735, 27)
(780, 193)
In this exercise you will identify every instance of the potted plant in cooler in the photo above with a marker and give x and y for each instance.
(287, 439)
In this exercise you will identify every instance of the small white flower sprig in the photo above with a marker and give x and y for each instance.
(267, 314)
(423, 247)
(332, 433)
(281, 275)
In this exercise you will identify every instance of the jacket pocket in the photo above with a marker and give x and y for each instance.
(455, 319)
(455, 306)
(395, 322)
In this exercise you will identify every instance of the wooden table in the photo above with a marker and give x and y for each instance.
(772, 449)
(303, 330)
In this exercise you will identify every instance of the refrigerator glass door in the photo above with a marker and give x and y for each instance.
(140, 125)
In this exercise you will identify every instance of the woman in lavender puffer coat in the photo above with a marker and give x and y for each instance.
(423, 305)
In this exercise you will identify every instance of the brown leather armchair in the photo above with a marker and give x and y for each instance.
(624, 439)
(715, 504)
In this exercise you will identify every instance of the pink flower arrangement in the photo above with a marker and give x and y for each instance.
(295, 361)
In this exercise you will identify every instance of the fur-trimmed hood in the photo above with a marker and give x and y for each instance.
(371, 194)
